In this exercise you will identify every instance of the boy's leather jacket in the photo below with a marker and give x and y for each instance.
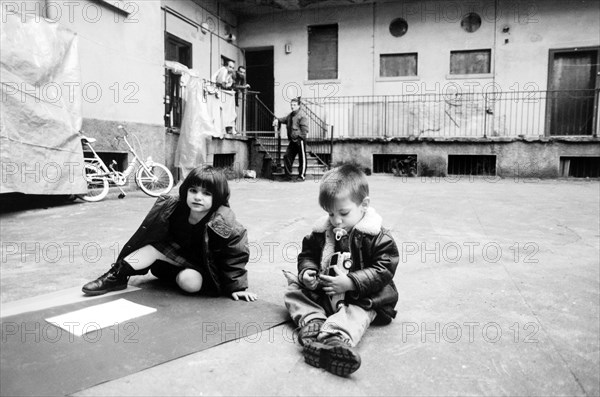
(226, 239)
(374, 260)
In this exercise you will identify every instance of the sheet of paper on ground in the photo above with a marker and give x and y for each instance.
(100, 316)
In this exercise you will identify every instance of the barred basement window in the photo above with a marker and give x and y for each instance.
(223, 160)
(395, 65)
(580, 167)
(471, 164)
(398, 164)
(470, 61)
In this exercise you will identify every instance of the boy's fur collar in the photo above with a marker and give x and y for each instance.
(369, 224)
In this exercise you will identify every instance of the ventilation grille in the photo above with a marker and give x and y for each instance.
(386, 163)
(223, 160)
(469, 164)
(580, 167)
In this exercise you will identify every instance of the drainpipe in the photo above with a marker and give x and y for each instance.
(374, 55)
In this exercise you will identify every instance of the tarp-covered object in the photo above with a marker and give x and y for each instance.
(197, 126)
(40, 116)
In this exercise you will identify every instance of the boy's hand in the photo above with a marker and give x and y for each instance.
(275, 122)
(246, 295)
(337, 284)
(309, 279)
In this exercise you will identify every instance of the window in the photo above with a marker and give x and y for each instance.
(394, 65)
(225, 60)
(322, 52)
(177, 50)
(471, 164)
(470, 22)
(398, 27)
(470, 62)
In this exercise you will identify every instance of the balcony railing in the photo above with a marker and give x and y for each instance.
(472, 115)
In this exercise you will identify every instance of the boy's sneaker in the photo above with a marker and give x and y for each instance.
(334, 355)
(308, 333)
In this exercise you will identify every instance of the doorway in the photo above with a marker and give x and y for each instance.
(261, 77)
(572, 101)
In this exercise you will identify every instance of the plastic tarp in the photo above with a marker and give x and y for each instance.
(40, 116)
(197, 123)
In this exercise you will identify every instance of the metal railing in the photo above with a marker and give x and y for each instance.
(483, 114)
(256, 119)
(319, 140)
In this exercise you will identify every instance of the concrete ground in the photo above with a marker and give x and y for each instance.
(498, 279)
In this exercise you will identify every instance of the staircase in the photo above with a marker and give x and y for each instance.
(274, 144)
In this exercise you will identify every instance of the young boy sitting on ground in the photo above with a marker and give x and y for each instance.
(345, 273)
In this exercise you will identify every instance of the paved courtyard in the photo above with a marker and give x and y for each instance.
(498, 279)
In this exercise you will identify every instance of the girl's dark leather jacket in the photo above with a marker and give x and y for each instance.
(226, 239)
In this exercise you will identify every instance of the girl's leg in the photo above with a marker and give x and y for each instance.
(145, 257)
(118, 275)
(189, 280)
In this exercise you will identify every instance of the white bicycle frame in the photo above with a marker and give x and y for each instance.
(117, 177)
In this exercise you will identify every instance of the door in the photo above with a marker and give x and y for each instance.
(260, 76)
(572, 99)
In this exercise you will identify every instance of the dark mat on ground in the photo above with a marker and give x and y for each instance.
(38, 358)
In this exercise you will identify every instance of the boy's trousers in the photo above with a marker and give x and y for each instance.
(350, 321)
(295, 149)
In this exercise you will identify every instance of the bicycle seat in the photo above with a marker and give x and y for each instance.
(86, 139)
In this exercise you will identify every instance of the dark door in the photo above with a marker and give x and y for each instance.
(572, 98)
(260, 76)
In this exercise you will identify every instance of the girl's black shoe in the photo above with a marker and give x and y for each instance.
(113, 280)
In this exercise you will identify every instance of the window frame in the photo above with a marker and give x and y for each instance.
(489, 73)
(173, 111)
(407, 76)
(310, 78)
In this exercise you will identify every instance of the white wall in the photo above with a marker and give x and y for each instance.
(208, 47)
(434, 30)
(120, 59)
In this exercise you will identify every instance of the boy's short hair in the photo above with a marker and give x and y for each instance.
(297, 100)
(209, 178)
(345, 178)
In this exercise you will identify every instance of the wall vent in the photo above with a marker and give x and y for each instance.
(580, 167)
(470, 164)
(405, 164)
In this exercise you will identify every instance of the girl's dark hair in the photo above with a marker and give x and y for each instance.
(209, 178)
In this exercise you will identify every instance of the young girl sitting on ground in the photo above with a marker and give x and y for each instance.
(192, 240)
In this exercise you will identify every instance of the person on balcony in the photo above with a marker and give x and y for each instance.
(223, 79)
(240, 85)
(297, 130)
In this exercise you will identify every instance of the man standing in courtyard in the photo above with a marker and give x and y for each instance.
(297, 130)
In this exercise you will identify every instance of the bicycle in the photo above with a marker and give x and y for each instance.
(153, 178)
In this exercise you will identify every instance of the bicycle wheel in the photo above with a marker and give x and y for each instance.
(97, 184)
(155, 182)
